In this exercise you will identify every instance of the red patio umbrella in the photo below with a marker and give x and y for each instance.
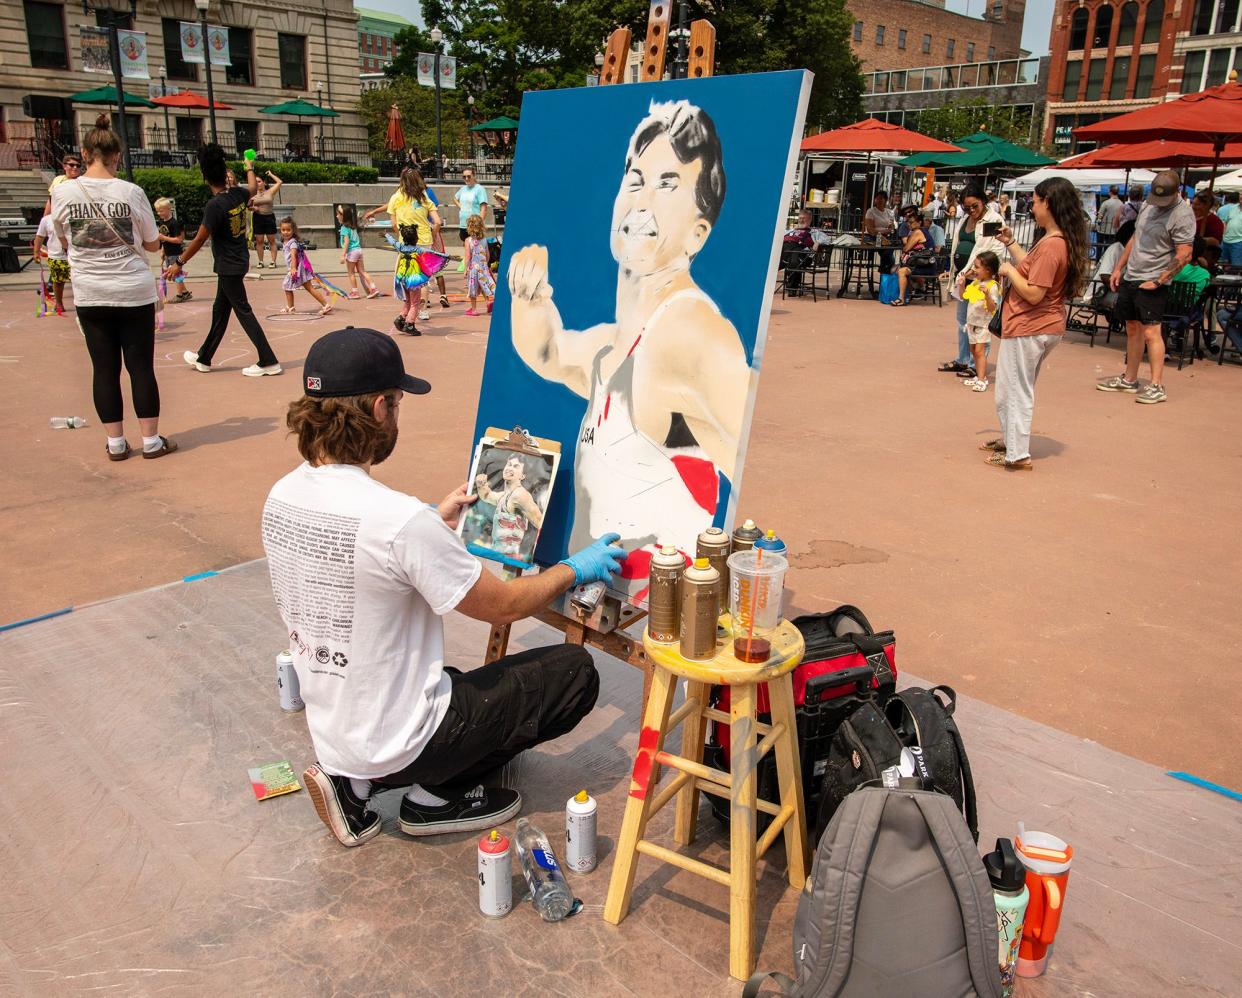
(873, 135)
(1213, 116)
(1173, 154)
(186, 99)
(394, 141)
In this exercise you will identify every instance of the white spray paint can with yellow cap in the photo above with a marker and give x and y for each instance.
(580, 832)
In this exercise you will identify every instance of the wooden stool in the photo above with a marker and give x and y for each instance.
(738, 785)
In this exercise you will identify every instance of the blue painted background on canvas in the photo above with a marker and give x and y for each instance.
(570, 160)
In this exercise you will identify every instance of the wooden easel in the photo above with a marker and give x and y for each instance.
(605, 627)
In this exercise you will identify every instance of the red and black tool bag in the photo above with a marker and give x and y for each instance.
(844, 665)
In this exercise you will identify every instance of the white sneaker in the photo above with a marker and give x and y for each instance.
(424, 315)
(970, 382)
(191, 358)
(255, 371)
(979, 385)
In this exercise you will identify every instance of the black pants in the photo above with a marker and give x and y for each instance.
(231, 297)
(502, 709)
(114, 334)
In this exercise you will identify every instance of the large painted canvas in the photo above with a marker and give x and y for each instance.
(640, 248)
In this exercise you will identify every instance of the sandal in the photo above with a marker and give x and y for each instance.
(326, 309)
(288, 310)
(897, 303)
(114, 456)
(970, 372)
(996, 444)
(997, 460)
(952, 366)
(978, 385)
(444, 302)
(166, 447)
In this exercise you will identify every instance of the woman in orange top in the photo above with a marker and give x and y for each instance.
(1041, 283)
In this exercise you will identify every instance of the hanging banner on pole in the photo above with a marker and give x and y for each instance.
(133, 48)
(426, 69)
(448, 72)
(95, 56)
(192, 43)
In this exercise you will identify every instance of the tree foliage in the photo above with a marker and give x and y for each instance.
(961, 117)
(506, 47)
(418, 116)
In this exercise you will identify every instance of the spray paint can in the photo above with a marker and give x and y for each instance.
(287, 684)
(495, 875)
(713, 544)
(744, 537)
(770, 542)
(580, 832)
(700, 600)
(664, 597)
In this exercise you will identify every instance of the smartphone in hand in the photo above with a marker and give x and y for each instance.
(992, 228)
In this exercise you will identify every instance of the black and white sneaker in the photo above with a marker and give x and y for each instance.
(347, 817)
(480, 807)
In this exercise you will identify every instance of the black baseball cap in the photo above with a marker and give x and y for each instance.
(356, 361)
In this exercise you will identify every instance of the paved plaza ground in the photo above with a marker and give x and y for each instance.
(1096, 594)
(1092, 600)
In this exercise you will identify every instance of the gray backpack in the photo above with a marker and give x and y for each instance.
(898, 904)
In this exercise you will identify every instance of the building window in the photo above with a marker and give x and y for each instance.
(1227, 22)
(858, 31)
(1103, 27)
(122, 19)
(1218, 67)
(991, 52)
(970, 51)
(1121, 77)
(1095, 79)
(1078, 30)
(1151, 24)
(190, 133)
(292, 49)
(241, 52)
(45, 31)
(133, 128)
(1192, 75)
(1146, 73)
(927, 44)
(1125, 30)
(1073, 74)
(948, 49)
(879, 34)
(178, 68)
(901, 38)
(1201, 22)
(246, 133)
(300, 139)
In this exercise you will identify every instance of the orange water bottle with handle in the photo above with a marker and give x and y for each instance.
(1047, 860)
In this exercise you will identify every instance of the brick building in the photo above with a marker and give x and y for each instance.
(910, 34)
(1109, 57)
(377, 33)
(1209, 49)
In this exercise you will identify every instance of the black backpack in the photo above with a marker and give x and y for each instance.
(872, 738)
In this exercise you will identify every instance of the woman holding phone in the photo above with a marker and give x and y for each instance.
(977, 231)
(1041, 283)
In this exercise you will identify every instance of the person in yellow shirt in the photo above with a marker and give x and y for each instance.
(412, 216)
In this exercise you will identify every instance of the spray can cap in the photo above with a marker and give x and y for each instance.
(668, 549)
(748, 525)
(771, 535)
(582, 796)
(1004, 868)
(701, 563)
(493, 842)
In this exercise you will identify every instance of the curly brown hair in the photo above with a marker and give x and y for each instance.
(343, 430)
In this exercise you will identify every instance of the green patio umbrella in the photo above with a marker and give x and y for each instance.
(501, 124)
(301, 109)
(982, 151)
(107, 95)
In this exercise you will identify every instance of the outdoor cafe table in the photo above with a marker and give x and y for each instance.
(862, 262)
(1226, 290)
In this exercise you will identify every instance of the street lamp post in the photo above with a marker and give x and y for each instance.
(112, 20)
(436, 36)
(681, 64)
(470, 116)
(202, 6)
(319, 90)
(599, 66)
(164, 93)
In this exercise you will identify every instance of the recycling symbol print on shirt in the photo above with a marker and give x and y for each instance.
(339, 659)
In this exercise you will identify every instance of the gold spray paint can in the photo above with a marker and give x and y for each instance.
(664, 597)
(744, 537)
(700, 600)
(713, 544)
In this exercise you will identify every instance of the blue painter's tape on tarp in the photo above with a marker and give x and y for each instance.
(482, 552)
(200, 575)
(1214, 787)
(35, 620)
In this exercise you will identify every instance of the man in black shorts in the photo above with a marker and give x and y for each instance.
(1160, 247)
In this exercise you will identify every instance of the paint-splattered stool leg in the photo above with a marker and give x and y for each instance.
(638, 804)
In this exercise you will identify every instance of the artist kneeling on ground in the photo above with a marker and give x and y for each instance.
(361, 575)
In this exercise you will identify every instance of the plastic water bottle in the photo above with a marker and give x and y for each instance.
(548, 890)
(67, 422)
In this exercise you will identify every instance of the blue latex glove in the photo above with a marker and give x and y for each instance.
(596, 562)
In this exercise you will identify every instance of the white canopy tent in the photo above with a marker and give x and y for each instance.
(1224, 182)
(1084, 180)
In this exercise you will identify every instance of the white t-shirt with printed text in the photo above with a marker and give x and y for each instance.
(102, 223)
(55, 249)
(362, 574)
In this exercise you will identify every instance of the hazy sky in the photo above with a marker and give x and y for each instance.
(1034, 35)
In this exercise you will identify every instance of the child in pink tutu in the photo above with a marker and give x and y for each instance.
(478, 269)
